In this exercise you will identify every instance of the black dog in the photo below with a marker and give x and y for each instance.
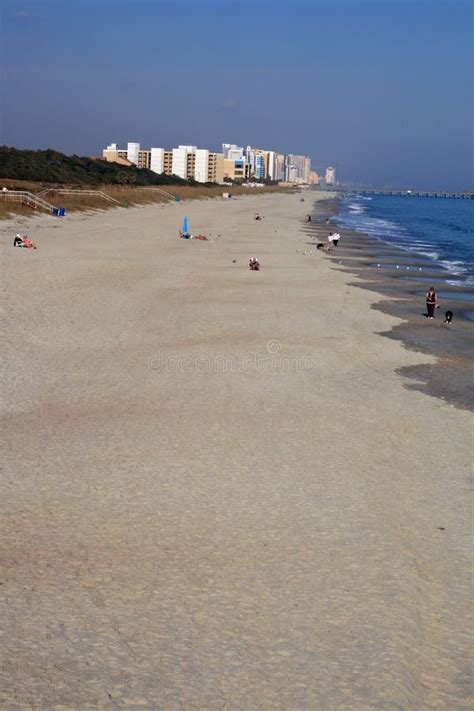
(320, 245)
(448, 317)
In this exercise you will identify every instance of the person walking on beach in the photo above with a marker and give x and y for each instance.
(431, 301)
(335, 238)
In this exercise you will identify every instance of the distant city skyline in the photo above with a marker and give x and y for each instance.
(381, 91)
(233, 163)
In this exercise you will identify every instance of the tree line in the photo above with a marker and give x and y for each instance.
(51, 166)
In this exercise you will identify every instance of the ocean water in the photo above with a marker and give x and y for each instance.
(438, 229)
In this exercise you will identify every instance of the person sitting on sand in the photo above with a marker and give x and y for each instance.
(431, 302)
(257, 216)
(254, 264)
(20, 241)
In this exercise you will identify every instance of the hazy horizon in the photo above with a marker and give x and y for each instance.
(381, 90)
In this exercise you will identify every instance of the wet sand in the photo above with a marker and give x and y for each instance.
(217, 492)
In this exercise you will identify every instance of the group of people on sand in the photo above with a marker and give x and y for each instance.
(332, 241)
(23, 241)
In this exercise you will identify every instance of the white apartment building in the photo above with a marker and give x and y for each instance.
(280, 166)
(271, 165)
(297, 168)
(133, 150)
(232, 152)
(182, 161)
(330, 177)
(292, 174)
(157, 160)
(201, 170)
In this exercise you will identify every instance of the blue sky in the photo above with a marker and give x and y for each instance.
(380, 89)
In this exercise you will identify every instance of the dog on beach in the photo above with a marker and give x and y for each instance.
(448, 317)
(320, 245)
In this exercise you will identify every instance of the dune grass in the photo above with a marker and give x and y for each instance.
(126, 196)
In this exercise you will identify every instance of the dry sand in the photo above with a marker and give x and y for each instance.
(217, 493)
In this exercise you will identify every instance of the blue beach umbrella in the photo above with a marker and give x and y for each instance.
(185, 225)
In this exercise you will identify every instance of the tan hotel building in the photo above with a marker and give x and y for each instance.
(234, 169)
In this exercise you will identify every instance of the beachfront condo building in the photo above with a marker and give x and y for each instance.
(257, 163)
(161, 161)
(234, 169)
(193, 163)
(115, 155)
(297, 168)
(184, 161)
(232, 152)
(156, 159)
(330, 177)
(209, 167)
(187, 162)
(280, 166)
(272, 165)
(216, 168)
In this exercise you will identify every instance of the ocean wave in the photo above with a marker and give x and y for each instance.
(454, 267)
(357, 208)
(407, 226)
(430, 255)
(455, 282)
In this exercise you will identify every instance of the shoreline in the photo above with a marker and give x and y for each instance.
(360, 254)
(217, 489)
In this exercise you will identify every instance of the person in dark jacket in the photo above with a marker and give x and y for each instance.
(431, 301)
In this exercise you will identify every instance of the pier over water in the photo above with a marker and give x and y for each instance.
(467, 195)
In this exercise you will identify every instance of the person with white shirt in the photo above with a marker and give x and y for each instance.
(329, 242)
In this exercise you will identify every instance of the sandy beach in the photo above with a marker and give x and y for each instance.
(217, 490)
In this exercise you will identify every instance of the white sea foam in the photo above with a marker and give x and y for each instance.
(455, 282)
(454, 267)
(430, 255)
(357, 209)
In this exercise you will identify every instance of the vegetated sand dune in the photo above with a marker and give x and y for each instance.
(217, 493)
